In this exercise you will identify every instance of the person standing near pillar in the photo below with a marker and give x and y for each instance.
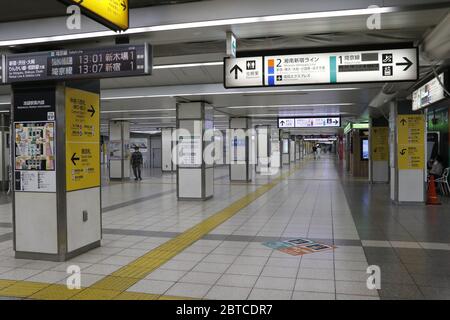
(136, 163)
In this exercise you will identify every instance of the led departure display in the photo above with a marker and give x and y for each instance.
(95, 63)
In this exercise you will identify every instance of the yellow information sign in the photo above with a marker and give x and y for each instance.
(112, 13)
(411, 142)
(380, 143)
(82, 139)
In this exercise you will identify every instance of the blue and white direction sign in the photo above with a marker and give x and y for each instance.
(342, 67)
(313, 122)
(363, 66)
(244, 72)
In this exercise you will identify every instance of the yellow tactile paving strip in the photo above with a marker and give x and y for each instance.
(114, 286)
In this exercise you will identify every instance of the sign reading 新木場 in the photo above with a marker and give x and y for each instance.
(324, 68)
(93, 63)
(411, 142)
(112, 13)
(82, 139)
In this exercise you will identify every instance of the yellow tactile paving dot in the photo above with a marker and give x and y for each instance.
(136, 296)
(6, 283)
(114, 286)
(54, 292)
(23, 289)
(96, 294)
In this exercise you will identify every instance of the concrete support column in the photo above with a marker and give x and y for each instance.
(285, 148)
(263, 148)
(379, 151)
(119, 150)
(242, 161)
(56, 180)
(195, 151)
(167, 146)
(275, 149)
(407, 154)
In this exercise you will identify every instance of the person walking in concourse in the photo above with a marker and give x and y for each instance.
(319, 150)
(136, 163)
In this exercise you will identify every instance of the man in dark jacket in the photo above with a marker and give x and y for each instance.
(136, 163)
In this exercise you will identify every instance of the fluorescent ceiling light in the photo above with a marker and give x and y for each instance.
(147, 132)
(227, 93)
(5, 103)
(188, 65)
(293, 105)
(320, 139)
(143, 118)
(134, 111)
(205, 24)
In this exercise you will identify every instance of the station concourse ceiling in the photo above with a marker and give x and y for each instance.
(171, 82)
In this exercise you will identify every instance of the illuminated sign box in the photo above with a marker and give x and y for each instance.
(113, 14)
(431, 92)
(93, 63)
(316, 122)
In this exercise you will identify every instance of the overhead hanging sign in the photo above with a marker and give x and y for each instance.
(327, 68)
(244, 72)
(316, 122)
(430, 93)
(82, 139)
(411, 142)
(114, 14)
(93, 63)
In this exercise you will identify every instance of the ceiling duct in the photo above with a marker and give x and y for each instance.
(436, 45)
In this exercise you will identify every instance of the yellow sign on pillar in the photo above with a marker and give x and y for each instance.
(411, 142)
(380, 143)
(82, 139)
(112, 13)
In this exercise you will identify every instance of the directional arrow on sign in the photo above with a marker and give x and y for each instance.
(74, 159)
(236, 69)
(124, 5)
(403, 152)
(408, 63)
(403, 122)
(92, 111)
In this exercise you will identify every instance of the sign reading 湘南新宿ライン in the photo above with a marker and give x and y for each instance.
(359, 66)
(82, 139)
(112, 13)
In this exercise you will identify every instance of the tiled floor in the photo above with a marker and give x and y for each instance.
(319, 202)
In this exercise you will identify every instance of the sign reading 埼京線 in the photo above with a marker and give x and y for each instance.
(380, 143)
(112, 13)
(82, 139)
(411, 142)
